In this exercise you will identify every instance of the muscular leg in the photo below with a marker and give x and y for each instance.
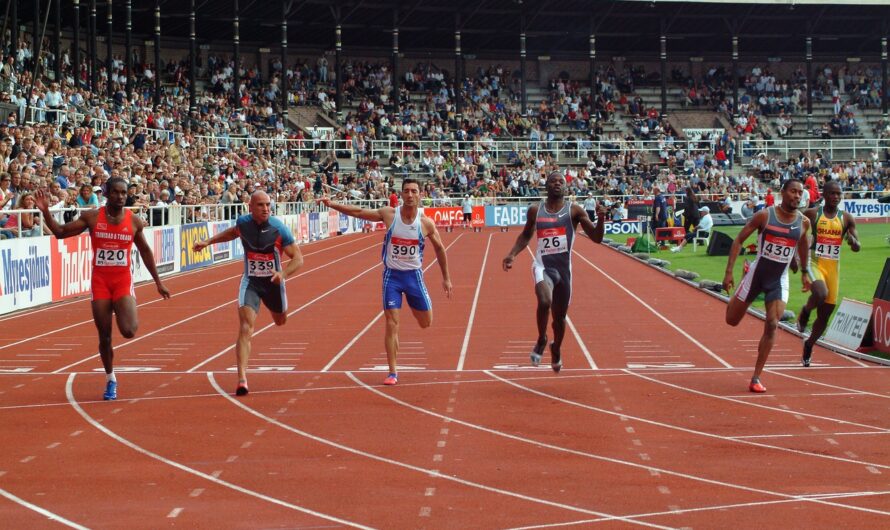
(559, 310)
(280, 319)
(823, 312)
(125, 313)
(735, 310)
(246, 319)
(391, 339)
(102, 315)
(424, 318)
(818, 293)
(774, 311)
(544, 293)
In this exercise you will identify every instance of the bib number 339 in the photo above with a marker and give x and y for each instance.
(552, 241)
(260, 265)
(111, 258)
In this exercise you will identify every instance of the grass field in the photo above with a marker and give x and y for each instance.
(860, 271)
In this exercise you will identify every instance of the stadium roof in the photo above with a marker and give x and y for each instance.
(556, 28)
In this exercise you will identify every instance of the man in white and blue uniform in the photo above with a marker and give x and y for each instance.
(265, 239)
(782, 233)
(408, 231)
(553, 223)
(402, 263)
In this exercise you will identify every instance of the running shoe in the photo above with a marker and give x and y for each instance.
(756, 386)
(391, 379)
(242, 389)
(555, 358)
(537, 352)
(110, 391)
(802, 319)
(807, 353)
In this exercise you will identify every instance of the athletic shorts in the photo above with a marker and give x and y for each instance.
(468, 217)
(254, 290)
(560, 281)
(112, 286)
(828, 271)
(756, 281)
(410, 283)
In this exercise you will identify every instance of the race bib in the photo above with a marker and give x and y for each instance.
(260, 265)
(552, 241)
(828, 247)
(405, 249)
(111, 258)
(778, 248)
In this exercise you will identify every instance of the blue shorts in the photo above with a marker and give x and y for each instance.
(396, 282)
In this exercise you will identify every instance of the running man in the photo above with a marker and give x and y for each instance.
(264, 238)
(407, 231)
(113, 230)
(553, 222)
(781, 230)
(830, 227)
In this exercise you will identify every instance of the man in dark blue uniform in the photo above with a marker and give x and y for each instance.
(264, 238)
(553, 223)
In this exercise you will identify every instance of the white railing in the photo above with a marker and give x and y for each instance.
(560, 149)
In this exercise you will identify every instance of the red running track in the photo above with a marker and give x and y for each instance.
(649, 424)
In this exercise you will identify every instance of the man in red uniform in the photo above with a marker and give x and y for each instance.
(113, 230)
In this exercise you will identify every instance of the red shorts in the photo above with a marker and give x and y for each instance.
(113, 286)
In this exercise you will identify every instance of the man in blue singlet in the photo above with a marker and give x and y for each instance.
(264, 238)
(553, 223)
(407, 231)
(782, 231)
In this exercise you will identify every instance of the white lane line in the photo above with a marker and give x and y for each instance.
(845, 389)
(175, 295)
(463, 349)
(174, 513)
(434, 473)
(69, 393)
(782, 408)
(655, 312)
(676, 427)
(42, 511)
(364, 330)
(294, 312)
(537, 443)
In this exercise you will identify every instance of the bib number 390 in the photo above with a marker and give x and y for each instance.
(111, 258)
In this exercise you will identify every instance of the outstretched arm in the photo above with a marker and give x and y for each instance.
(753, 224)
(523, 238)
(384, 214)
(60, 231)
(594, 232)
(226, 235)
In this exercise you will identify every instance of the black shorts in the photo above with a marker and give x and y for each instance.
(560, 282)
(468, 217)
(254, 290)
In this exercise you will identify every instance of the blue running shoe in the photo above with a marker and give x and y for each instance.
(110, 391)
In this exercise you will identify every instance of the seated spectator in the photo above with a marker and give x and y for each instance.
(22, 224)
(705, 225)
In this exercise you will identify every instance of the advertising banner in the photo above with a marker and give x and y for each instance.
(333, 223)
(313, 226)
(221, 251)
(25, 273)
(188, 236)
(866, 208)
(344, 223)
(304, 228)
(508, 215)
(71, 265)
(163, 243)
(624, 227)
(849, 324)
(881, 319)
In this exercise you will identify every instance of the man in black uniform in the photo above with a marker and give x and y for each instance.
(553, 222)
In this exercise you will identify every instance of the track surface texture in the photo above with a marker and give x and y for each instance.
(649, 424)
